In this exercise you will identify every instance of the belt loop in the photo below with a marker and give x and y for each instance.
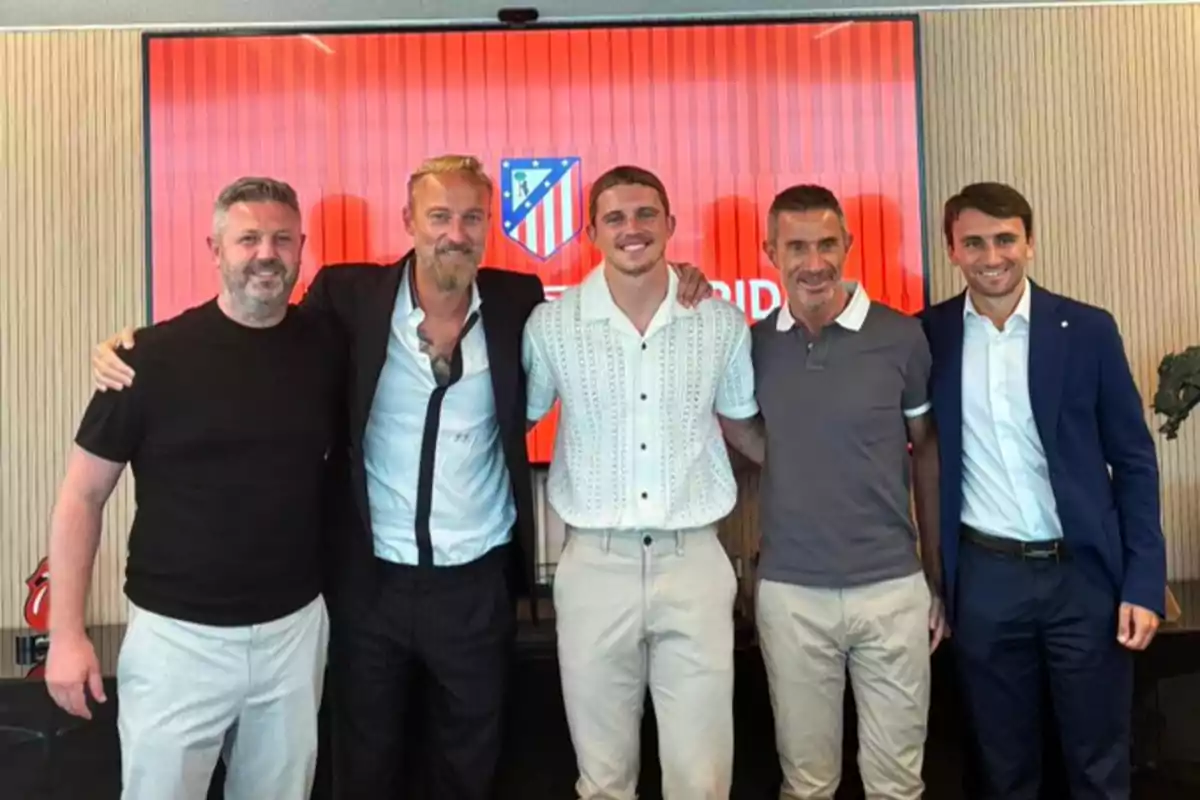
(679, 543)
(607, 540)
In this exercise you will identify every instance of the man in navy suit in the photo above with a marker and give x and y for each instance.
(1052, 546)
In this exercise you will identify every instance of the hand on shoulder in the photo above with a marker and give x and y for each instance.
(109, 370)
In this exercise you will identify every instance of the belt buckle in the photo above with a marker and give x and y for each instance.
(1053, 553)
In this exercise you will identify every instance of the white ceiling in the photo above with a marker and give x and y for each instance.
(187, 14)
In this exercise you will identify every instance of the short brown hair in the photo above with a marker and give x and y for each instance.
(626, 176)
(997, 200)
(253, 190)
(803, 197)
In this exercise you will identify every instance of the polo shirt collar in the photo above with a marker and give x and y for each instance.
(596, 301)
(852, 317)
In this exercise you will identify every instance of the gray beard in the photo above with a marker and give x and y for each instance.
(250, 309)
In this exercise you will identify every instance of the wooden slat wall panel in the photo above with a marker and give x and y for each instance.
(71, 271)
(1091, 111)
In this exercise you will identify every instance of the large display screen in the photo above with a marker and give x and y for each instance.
(726, 114)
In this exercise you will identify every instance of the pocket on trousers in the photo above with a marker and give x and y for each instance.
(560, 569)
(728, 575)
(130, 658)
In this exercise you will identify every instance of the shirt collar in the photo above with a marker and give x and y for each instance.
(1021, 311)
(408, 292)
(596, 302)
(852, 317)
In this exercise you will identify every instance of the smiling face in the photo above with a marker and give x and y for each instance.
(257, 247)
(447, 217)
(992, 252)
(809, 249)
(631, 227)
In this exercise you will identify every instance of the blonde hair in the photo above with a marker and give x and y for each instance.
(470, 166)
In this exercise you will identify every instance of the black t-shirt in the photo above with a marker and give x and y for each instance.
(227, 429)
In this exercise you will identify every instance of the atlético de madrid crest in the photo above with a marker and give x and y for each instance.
(541, 202)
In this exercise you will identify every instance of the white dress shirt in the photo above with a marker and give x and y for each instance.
(1006, 481)
(473, 509)
(638, 443)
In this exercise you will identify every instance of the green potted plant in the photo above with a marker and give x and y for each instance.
(1178, 389)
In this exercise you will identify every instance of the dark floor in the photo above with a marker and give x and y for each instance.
(541, 765)
(81, 761)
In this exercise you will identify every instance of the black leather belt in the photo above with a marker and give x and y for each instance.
(1039, 551)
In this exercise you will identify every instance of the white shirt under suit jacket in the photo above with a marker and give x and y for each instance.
(638, 443)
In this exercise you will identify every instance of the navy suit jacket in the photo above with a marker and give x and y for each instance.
(1102, 460)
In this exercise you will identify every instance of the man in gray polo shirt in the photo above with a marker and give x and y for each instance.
(842, 385)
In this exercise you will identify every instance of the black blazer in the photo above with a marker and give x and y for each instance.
(359, 299)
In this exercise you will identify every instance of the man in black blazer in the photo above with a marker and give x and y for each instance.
(1052, 546)
(431, 518)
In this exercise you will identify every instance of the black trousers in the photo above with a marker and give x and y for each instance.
(452, 626)
(1024, 624)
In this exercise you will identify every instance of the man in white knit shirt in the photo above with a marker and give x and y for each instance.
(644, 591)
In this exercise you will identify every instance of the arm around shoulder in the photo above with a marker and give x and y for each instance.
(109, 369)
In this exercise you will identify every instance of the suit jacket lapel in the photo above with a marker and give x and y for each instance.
(1047, 352)
(948, 390)
(503, 346)
(376, 332)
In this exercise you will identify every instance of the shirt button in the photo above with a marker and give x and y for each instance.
(647, 540)
(643, 396)
(643, 345)
(643, 445)
(644, 495)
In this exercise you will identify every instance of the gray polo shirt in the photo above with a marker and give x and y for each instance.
(834, 497)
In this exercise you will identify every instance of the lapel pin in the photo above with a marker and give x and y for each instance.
(1064, 323)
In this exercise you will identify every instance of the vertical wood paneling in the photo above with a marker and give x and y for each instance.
(71, 271)
(1093, 114)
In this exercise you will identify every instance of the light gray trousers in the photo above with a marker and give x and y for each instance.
(879, 634)
(188, 694)
(638, 609)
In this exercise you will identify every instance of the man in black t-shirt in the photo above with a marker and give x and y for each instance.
(227, 430)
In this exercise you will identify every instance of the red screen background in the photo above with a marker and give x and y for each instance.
(726, 114)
